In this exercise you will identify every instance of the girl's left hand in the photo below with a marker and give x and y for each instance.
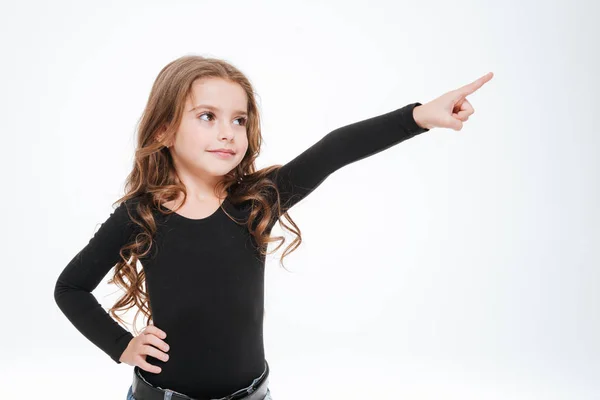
(451, 109)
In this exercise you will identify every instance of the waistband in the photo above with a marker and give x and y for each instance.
(144, 390)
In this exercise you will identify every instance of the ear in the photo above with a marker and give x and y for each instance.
(160, 136)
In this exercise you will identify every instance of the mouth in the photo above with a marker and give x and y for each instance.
(222, 153)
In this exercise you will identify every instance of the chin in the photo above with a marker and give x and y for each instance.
(217, 172)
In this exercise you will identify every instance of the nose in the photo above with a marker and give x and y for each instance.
(226, 133)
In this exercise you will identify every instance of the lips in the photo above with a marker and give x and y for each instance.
(224, 155)
(228, 151)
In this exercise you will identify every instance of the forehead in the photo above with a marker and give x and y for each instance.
(220, 93)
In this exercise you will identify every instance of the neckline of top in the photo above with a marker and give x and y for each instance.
(198, 220)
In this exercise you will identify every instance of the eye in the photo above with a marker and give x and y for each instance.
(244, 120)
(211, 115)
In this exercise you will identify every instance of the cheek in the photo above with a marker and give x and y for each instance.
(242, 150)
(243, 142)
(193, 140)
(244, 145)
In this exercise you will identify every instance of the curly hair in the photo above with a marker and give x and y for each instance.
(154, 180)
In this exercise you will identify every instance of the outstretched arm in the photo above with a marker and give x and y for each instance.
(350, 143)
(342, 146)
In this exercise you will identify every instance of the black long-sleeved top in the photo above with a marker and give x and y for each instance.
(206, 283)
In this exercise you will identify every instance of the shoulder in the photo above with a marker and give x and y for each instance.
(127, 212)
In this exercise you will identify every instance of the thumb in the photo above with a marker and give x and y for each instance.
(454, 123)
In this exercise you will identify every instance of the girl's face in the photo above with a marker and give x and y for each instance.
(215, 117)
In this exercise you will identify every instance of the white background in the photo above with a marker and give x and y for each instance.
(455, 265)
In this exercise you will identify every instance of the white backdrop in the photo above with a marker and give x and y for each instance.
(455, 265)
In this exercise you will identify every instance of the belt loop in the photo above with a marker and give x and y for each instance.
(168, 394)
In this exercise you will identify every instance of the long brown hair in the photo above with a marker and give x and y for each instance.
(154, 181)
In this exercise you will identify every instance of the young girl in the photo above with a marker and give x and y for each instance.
(197, 215)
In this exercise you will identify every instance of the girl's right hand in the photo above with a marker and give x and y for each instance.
(142, 345)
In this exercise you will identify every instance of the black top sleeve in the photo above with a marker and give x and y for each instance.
(345, 145)
(82, 275)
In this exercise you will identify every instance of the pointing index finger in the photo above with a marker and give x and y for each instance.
(473, 86)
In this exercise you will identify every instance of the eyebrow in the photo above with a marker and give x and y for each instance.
(239, 112)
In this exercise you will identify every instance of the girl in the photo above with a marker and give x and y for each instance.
(197, 215)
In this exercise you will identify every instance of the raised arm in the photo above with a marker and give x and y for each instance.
(343, 146)
(82, 275)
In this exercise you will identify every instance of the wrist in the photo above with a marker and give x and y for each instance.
(418, 117)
